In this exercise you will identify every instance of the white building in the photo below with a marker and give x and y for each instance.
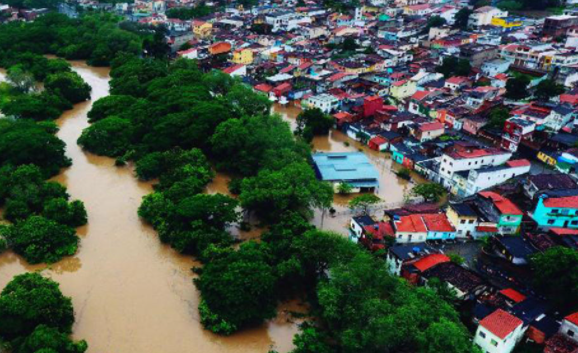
(467, 158)
(485, 178)
(326, 102)
(499, 332)
(494, 67)
(483, 16)
(569, 327)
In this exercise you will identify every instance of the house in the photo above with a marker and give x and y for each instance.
(536, 185)
(514, 249)
(429, 131)
(466, 283)
(438, 227)
(494, 67)
(352, 168)
(219, 48)
(410, 229)
(398, 255)
(559, 212)
(377, 235)
(469, 183)
(402, 89)
(499, 210)
(202, 29)
(569, 327)
(243, 56)
(457, 83)
(566, 340)
(326, 102)
(483, 16)
(358, 225)
(464, 218)
(412, 270)
(466, 157)
(236, 70)
(499, 332)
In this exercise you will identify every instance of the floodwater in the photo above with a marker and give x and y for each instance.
(392, 189)
(130, 292)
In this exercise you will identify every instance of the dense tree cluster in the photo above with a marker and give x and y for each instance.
(556, 276)
(96, 38)
(188, 13)
(452, 66)
(36, 317)
(44, 219)
(25, 142)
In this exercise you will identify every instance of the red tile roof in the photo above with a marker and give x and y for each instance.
(411, 223)
(518, 163)
(431, 126)
(437, 223)
(419, 95)
(500, 323)
(263, 87)
(573, 318)
(399, 83)
(513, 295)
(378, 140)
(562, 202)
(503, 204)
(456, 80)
(233, 68)
(430, 261)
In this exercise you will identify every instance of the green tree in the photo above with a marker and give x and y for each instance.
(517, 87)
(109, 137)
(462, 17)
(20, 79)
(47, 339)
(362, 203)
(344, 188)
(39, 239)
(68, 84)
(29, 300)
(435, 21)
(71, 214)
(109, 106)
(238, 289)
(312, 122)
(547, 89)
(429, 191)
(556, 276)
(292, 188)
(25, 142)
(498, 117)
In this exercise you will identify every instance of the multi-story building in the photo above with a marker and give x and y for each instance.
(559, 212)
(499, 332)
(483, 16)
(516, 130)
(555, 26)
(464, 157)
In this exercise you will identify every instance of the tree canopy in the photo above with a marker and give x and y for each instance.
(556, 275)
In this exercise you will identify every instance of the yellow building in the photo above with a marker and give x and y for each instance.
(403, 89)
(202, 29)
(243, 56)
(548, 159)
(507, 23)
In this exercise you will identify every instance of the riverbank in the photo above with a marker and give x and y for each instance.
(131, 293)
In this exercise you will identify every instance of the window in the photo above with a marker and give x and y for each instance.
(550, 221)
(570, 333)
(574, 222)
(471, 221)
(494, 343)
(555, 210)
(462, 221)
(482, 334)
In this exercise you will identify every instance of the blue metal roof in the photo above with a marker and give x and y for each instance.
(352, 167)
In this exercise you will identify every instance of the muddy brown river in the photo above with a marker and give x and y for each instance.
(131, 293)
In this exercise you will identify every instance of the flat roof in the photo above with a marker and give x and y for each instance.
(348, 166)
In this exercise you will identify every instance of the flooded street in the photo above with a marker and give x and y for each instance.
(392, 190)
(130, 292)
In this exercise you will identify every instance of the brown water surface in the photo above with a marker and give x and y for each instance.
(131, 293)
